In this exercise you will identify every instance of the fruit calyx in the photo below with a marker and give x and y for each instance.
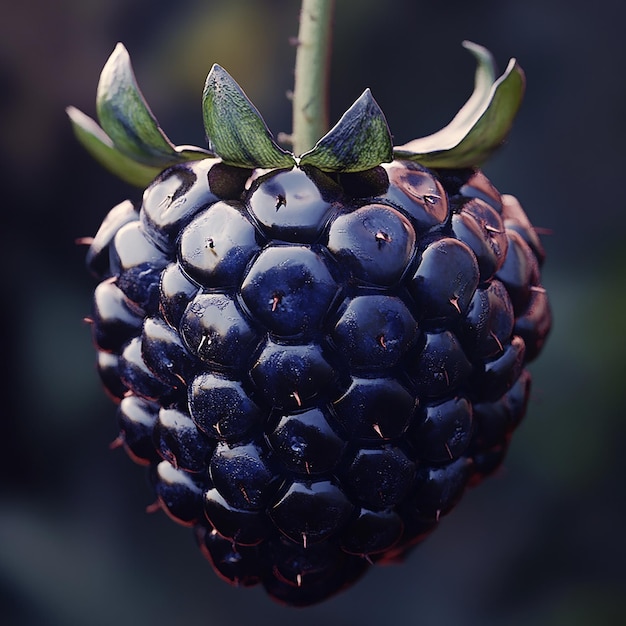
(480, 126)
(129, 141)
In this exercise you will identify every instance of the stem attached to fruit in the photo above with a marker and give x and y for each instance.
(310, 100)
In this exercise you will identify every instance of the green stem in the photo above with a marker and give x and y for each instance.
(310, 99)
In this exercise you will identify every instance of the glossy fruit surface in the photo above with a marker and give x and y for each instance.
(314, 377)
(314, 355)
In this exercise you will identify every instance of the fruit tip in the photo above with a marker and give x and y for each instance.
(473, 46)
(120, 48)
(514, 65)
(217, 70)
(217, 74)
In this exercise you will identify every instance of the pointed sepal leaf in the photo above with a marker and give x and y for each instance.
(100, 146)
(481, 125)
(359, 141)
(235, 129)
(127, 119)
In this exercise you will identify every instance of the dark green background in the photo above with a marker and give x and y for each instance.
(541, 543)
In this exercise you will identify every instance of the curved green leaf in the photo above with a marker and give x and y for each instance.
(359, 141)
(100, 146)
(126, 118)
(480, 126)
(234, 127)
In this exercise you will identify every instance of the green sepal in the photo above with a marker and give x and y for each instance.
(481, 125)
(235, 129)
(359, 141)
(100, 146)
(127, 119)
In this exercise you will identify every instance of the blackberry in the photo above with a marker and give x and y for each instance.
(314, 356)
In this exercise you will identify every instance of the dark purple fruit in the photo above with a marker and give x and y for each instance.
(315, 354)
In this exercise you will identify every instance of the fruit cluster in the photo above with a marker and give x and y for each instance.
(315, 363)
(315, 371)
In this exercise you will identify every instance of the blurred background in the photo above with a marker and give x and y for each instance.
(542, 542)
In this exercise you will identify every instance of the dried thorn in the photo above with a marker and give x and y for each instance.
(88, 320)
(307, 467)
(154, 507)
(368, 559)
(299, 580)
(382, 237)
(381, 341)
(431, 198)
(83, 241)
(379, 432)
(538, 289)
(447, 447)
(492, 229)
(276, 300)
(543, 231)
(118, 442)
(285, 138)
(296, 397)
(455, 303)
(304, 540)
